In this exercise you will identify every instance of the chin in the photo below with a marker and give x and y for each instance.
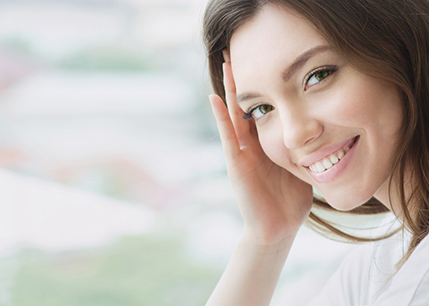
(346, 203)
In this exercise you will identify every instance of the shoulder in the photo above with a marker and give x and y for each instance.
(348, 285)
(409, 286)
(366, 277)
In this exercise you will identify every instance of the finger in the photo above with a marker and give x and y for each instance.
(230, 144)
(226, 56)
(242, 127)
(253, 130)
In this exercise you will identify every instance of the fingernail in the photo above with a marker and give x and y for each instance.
(211, 98)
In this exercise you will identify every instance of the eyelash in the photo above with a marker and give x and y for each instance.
(249, 114)
(330, 69)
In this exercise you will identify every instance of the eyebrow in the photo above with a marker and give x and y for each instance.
(288, 73)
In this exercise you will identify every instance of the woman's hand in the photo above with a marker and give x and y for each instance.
(273, 202)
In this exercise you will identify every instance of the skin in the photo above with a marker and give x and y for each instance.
(304, 120)
(273, 189)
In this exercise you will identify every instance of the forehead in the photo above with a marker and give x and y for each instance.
(275, 36)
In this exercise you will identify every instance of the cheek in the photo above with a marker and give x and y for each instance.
(364, 102)
(346, 108)
(271, 142)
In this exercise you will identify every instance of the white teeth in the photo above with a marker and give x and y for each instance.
(320, 167)
(333, 159)
(327, 163)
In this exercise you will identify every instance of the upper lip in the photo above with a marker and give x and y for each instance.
(323, 152)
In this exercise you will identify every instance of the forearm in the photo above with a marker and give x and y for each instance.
(251, 275)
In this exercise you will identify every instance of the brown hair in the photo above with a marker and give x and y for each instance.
(387, 39)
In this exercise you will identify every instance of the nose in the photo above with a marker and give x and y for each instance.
(299, 127)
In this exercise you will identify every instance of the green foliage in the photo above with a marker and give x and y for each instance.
(17, 43)
(112, 57)
(141, 270)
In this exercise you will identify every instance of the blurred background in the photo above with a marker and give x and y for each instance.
(113, 187)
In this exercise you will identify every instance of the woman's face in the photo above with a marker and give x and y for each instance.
(316, 116)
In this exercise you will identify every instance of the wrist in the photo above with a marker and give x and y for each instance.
(267, 244)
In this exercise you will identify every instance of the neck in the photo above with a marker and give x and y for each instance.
(391, 197)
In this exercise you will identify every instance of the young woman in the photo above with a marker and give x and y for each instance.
(332, 94)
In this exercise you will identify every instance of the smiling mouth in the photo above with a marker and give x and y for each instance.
(332, 160)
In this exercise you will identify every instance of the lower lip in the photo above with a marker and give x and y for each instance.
(337, 169)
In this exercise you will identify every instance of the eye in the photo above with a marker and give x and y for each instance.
(258, 111)
(318, 75)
